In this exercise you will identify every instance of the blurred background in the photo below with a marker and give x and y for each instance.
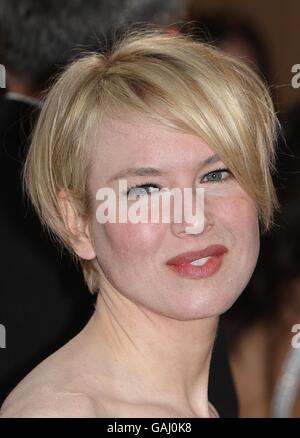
(43, 300)
(277, 24)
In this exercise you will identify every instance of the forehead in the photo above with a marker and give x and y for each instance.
(138, 141)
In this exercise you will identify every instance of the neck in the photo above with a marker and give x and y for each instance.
(150, 358)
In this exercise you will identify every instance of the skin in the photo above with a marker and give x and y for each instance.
(16, 85)
(146, 350)
(259, 355)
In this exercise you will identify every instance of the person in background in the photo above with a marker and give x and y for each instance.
(233, 34)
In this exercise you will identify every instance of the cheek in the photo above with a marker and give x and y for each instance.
(128, 241)
(239, 218)
(239, 215)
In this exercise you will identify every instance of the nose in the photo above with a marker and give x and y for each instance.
(193, 216)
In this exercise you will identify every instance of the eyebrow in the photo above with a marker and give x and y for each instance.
(152, 171)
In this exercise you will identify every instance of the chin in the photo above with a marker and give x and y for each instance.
(208, 307)
(189, 312)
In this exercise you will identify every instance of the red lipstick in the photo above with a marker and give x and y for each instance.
(181, 264)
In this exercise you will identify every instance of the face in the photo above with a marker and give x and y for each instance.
(134, 256)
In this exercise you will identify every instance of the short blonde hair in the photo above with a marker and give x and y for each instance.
(184, 84)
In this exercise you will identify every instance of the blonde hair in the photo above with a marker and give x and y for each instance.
(185, 85)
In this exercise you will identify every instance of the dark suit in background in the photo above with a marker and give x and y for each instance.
(43, 300)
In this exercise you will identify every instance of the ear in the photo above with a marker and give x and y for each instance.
(78, 228)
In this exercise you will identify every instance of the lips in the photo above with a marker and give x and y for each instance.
(182, 266)
(188, 257)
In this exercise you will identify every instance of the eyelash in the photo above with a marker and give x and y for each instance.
(216, 171)
(219, 171)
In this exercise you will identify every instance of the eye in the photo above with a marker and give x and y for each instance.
(218, 175)
(143, 189)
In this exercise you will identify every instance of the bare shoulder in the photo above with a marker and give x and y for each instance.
(47, 403)
(52, 389)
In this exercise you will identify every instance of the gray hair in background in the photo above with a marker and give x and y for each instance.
(158, 12)
(37, 38)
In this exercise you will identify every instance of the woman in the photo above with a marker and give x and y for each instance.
(158, 113)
